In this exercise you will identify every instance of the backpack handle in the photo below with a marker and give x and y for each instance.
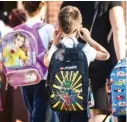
(74, 45)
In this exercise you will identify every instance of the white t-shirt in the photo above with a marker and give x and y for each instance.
(46, 34)
(89, 51)
(4, 29)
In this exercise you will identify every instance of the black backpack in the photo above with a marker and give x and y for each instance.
(68, 80)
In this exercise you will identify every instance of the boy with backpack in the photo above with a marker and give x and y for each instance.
(68, 61)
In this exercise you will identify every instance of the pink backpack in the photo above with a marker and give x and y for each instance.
(22, 55)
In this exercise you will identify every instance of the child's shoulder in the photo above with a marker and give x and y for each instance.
(48, 26)
(87, 47)
(48, 29)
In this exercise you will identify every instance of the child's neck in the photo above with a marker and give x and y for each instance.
(69, 35)
(34, 18)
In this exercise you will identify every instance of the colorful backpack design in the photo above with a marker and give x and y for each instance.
(22, 55)
(118, 88)
(68, 79)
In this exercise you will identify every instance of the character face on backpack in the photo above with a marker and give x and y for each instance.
(19, 40)
(31, 76)
(15, 52)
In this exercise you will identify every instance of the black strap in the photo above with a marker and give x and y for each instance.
(95, 15)
(108, 85)
(106, 117)
(80, 45)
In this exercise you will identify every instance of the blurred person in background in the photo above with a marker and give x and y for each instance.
(17, 17)
(4, 24)
(7, 23)
(35, 96)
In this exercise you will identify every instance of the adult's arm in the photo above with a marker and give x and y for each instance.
(116, 16)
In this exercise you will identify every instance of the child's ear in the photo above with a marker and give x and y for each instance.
(79, 28)
(59, 29)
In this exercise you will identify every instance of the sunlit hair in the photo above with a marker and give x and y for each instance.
(69, 19)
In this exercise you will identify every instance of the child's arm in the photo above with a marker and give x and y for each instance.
(102, 53)
(48, 56)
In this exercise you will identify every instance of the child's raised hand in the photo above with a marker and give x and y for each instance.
(84, 34)
(57, 37)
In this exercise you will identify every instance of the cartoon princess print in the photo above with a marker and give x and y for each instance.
(15, 54)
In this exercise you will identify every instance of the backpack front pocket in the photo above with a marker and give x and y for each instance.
(67, 94)
(23, 77)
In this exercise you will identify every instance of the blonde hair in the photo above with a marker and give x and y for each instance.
(69, 19)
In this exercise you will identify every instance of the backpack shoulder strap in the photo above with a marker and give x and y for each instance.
(80, 45)
(35, 28)
(38, 25)
(23, 27)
